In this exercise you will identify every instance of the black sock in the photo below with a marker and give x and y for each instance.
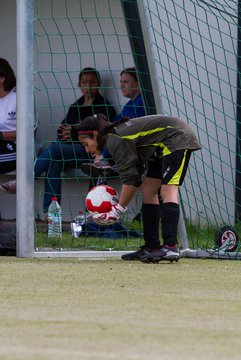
(151, 223)
(169, 220)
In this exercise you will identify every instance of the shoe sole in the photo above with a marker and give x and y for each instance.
(130, 259)
(157, 259)
(7, 190)
(90, 171)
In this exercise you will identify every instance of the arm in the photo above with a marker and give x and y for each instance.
(127, 193)
(64, 132)
(132, 109)
(8, 135)
(72, 117)
(127, 159)
(118, 210)
(129, 162)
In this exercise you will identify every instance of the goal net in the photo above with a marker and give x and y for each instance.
(186, 54)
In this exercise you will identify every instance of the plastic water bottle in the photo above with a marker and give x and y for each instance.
(54, 219)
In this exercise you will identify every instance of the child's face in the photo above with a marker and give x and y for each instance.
(129, 86)
(89, 84)
(90, 144)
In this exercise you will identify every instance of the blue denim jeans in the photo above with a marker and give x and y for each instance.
(52, 162)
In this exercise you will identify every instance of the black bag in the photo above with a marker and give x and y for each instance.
(7, 239)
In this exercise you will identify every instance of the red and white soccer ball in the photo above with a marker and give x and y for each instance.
(101, 198)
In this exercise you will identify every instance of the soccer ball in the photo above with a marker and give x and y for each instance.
(100, 199)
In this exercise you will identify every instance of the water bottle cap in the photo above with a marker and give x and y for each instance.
(54, 198)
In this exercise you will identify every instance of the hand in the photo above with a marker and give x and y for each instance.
(65, 132)
(98, 161)
(98, 158)
(111, 217)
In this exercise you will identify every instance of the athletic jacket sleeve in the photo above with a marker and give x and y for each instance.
(130, 166)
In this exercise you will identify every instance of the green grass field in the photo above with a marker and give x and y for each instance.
(60, 309)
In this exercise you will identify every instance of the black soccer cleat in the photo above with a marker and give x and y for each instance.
(163, 253)
(136, 255)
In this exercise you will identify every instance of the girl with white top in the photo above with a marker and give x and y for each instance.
(7, 118)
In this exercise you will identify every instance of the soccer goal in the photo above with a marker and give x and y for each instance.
(187, 58)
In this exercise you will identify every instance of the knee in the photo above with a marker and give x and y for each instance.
(149, 196)
(169, 193)
(54, 151)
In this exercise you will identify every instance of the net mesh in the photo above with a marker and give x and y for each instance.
(193, 56)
